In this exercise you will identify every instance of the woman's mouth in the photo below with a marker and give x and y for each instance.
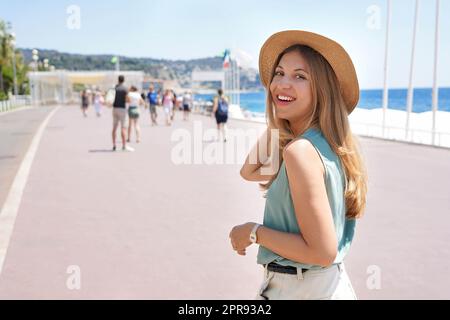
(284, 100)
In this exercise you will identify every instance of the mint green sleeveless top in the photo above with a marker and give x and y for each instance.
(279, 213)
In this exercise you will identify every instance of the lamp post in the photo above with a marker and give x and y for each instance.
(435, 79)
(35, 57)
(35, 53)
(410, 97)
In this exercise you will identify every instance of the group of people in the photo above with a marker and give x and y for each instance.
(169, 101)
(123, 97)
(96, 98)
(127, 102)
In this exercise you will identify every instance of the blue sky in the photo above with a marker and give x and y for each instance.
(180, 29)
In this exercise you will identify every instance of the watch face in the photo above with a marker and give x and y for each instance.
(252, 237)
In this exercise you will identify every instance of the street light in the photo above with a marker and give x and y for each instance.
(13, 45)
(46, 64)
(35, 53)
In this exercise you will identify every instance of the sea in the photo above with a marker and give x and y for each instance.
(369, 99)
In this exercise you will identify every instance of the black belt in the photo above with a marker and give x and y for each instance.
(274, 267)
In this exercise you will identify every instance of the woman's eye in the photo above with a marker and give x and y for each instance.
(278, 73)
(299, 76)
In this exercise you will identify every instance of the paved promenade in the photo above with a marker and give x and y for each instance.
(140, 227)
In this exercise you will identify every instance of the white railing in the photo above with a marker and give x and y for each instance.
(420, 136)
(14, 102)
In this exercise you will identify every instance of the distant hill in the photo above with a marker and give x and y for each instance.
(156, 68)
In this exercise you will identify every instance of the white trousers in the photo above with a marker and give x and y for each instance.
(331, 283)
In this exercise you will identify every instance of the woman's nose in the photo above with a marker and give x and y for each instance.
(284, 83)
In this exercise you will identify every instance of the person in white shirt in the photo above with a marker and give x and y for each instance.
(135, 100)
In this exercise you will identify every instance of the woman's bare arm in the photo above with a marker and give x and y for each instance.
(252, 168)
(317, 244)
(215, 105)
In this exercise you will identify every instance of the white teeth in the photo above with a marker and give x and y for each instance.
(284, 98)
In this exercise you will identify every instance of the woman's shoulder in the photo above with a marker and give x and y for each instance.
(302, 155)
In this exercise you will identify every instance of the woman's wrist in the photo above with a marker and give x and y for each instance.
(258, 234)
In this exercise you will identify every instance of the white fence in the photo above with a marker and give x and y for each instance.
(15, 102)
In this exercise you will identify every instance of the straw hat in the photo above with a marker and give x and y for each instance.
(333, 52)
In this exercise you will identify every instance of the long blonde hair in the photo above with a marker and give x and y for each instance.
(330, 115)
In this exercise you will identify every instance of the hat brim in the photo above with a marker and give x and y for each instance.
(333, 52)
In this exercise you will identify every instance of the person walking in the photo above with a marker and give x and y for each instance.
(84, 102)
(176, 105)
(153, 98)
(120, 114)
(98, 102)
(317, 189)
(167, 102)
(187, 104)
(135, 101)
(220, 111)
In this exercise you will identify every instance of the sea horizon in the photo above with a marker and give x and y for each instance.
(254, 101)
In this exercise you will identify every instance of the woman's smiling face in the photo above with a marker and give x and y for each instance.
(291, 88)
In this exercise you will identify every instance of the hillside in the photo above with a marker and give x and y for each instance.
(156, 68)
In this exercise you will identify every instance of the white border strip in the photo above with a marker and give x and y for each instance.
(11, 206)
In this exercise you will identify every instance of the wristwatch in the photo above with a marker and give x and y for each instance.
(253, 237)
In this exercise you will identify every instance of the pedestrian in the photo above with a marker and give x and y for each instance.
(220, 111)
(135, 101)
(176, 105)
(153, 98)
(187, 104)
(120, 114)
(319, 185)
(167, 102)
(98, 102)
(84, 102)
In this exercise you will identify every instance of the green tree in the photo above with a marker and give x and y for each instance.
(6, 64)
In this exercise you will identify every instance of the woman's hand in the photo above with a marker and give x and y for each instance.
(240, 237)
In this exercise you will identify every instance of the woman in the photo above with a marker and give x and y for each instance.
(135, 100)
(167, 102)
(319, 188)
(220, 111)
(98, 102)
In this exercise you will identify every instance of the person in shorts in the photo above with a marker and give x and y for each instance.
(120, 114)
(153, 97)
(220, 111)
(187, 103)
(135, 101)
